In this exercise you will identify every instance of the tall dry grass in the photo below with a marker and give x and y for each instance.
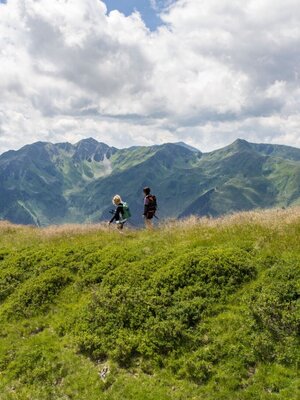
(271, 218)
(73, 229)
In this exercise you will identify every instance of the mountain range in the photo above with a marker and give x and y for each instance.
(45, 183)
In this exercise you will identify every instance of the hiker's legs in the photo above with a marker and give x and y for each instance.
(148, 223)
(120, 225)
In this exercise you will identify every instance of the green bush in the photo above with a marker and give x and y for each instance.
(36, 294)
(160, 305)
(275, 306)
(208, 311)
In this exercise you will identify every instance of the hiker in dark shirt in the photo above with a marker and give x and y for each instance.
(150, 206)
(118, 214)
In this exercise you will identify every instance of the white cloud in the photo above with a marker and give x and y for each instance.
(161, 5)
(218, 69)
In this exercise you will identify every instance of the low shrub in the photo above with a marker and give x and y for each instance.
(36, 294)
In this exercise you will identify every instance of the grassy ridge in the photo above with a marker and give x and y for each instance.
(202, 309)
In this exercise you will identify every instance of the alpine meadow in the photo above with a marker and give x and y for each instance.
(150, 200)
(198, 309)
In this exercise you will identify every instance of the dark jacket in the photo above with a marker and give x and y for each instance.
(118, 215)
(150, 206)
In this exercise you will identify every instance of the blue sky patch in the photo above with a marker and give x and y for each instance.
(146, 8)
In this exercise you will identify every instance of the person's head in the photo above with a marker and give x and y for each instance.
(117, 200)
(146, 191)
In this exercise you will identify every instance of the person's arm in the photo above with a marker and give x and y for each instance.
(116, 215)
(146, 205)
(113, 217)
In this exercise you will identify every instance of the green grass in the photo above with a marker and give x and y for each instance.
(203, 309)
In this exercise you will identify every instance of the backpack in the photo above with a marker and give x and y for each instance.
(126, 211)
(152, 205)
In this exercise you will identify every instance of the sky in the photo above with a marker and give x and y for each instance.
(139, 72)
(149, 10)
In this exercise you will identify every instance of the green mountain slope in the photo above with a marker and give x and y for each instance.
(203, 310)
(48, 183)
(248, 176)
(37, 180)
